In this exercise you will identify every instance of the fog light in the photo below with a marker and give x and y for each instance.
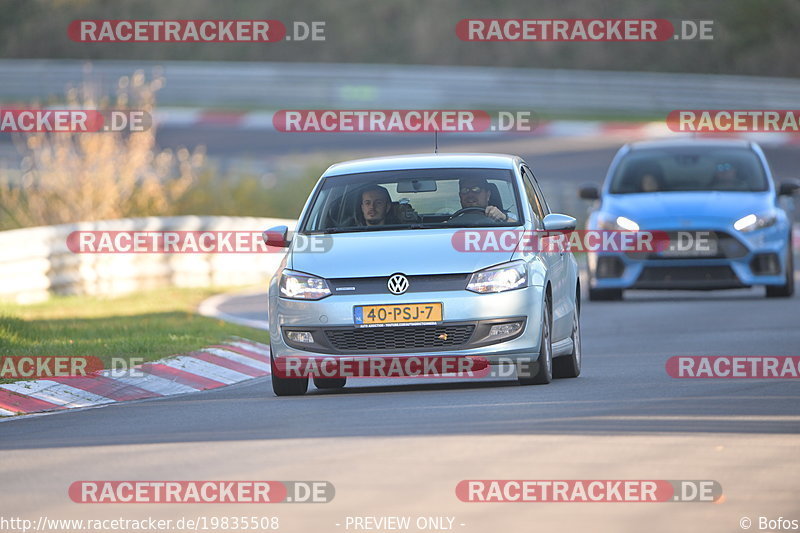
(609, 267)
(765, 264)
(505, 330)
(300, 336)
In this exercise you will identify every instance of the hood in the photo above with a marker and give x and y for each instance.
(662, 209)
(381, 253)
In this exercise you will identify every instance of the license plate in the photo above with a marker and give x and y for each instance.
(397, 313)
(706, 248)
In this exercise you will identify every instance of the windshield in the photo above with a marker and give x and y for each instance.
(686, 169)
(418, 199)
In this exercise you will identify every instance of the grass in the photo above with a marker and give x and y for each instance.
(149, 325)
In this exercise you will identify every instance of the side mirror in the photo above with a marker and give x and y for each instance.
(589, 192)
(559, 222)
(788, 187)
(277, 236)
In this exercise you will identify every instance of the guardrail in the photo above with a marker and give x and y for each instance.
(328, 85)
(37, 262)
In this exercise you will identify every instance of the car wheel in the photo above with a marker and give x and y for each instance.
(605, 295)
(544, 363)
(330, 383)
(784, 291)
(286, 386)
(569, 366)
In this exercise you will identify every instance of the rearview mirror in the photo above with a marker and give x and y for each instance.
(589, 192)
(788, 187)
(559, 222)
(277, 236)
(416, 185)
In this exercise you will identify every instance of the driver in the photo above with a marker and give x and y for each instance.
(726, 177)
(475, 192)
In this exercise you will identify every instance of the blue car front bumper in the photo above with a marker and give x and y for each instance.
(743, 260)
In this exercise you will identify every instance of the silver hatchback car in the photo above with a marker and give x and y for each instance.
(415, 264)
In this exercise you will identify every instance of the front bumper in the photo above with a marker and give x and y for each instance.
(745, 259)
(462, 310)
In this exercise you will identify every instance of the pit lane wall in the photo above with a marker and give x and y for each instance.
(37, 262)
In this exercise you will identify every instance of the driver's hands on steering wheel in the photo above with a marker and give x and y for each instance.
(494, 213)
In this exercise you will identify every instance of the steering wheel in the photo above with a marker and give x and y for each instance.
(480, 211)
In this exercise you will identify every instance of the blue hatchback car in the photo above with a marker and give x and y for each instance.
(719, 190)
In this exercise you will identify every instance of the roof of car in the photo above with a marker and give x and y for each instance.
(414, 161)
(690, 143)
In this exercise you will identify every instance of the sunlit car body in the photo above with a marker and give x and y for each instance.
(523, 289)
(720, 189)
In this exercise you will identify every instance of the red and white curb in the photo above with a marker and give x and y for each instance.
(216, 366)
(262, 120)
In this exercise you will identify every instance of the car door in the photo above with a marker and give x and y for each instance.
(557, 262)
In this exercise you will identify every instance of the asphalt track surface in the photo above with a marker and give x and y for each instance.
(399, 447)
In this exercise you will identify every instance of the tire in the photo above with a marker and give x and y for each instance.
(330, 383)
(604, 295)
(784, 291)
(544, 363)
(569, 366)
(286, 386)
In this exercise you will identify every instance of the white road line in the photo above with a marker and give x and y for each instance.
(56, 393)
(239, 358)
(152, 383)
(256, 347)
(3, 412)
(206, 370)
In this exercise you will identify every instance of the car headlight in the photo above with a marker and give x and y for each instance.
(753, 222)
(303, 286)
(499, 279)
(610, 222)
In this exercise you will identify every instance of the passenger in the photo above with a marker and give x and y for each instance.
(374, 206)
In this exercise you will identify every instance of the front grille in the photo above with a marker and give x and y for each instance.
(695, 277)
(727, 246)
(388, 339)
(377, 285)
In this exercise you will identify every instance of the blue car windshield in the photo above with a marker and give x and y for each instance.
(689, 169)
(418, 199)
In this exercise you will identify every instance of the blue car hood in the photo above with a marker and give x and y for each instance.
(381, 253)
(661, 209)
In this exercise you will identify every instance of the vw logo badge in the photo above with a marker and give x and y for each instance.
(398, 284)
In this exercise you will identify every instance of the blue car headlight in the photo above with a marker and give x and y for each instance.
(753, 221)
(607, 221)
(499, 279)
(299, 286)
